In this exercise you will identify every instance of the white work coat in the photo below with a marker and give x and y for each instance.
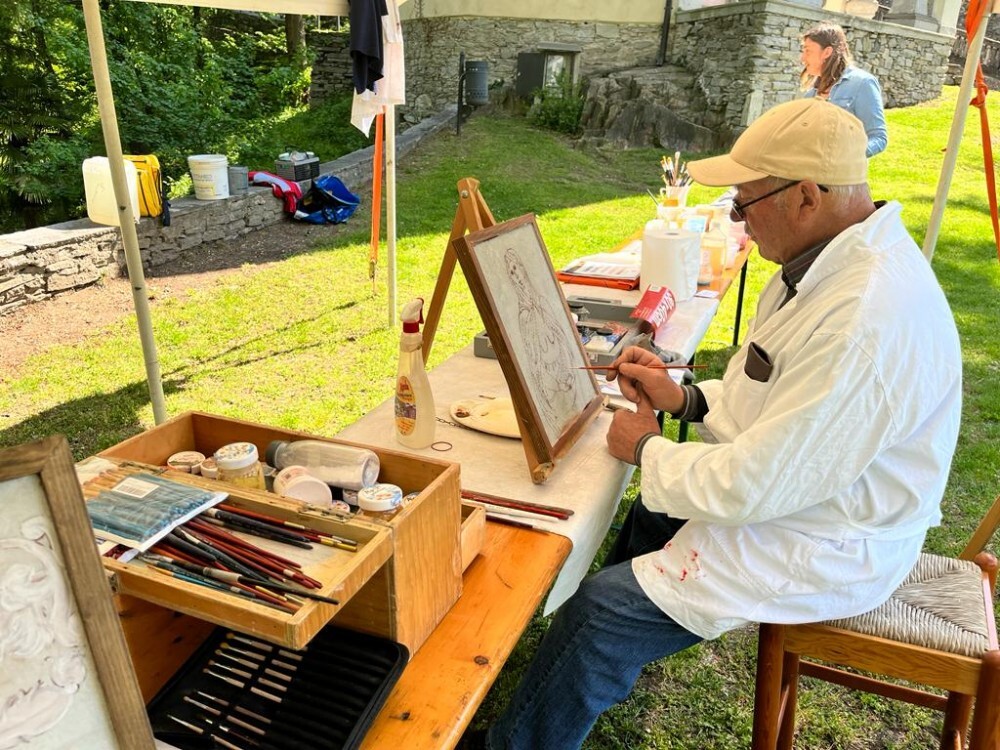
(815, 502)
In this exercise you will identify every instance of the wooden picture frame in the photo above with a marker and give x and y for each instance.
(533, 334)
(66, 680)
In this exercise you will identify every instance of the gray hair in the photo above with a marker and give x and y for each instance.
(841, 195)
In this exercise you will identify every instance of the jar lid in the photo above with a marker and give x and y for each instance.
(209, 469)
(297, 482)
(236, 456)
(188, 461)
(380, 497)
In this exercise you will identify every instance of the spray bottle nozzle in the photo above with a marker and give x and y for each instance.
(412, 315)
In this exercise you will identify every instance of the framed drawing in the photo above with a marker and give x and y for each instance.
(66, 680)
(534, 337)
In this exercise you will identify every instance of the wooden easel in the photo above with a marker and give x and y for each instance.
(472, 215)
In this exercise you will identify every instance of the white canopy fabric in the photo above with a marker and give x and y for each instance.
(113, 145)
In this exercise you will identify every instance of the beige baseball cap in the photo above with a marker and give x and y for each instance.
(805, 139)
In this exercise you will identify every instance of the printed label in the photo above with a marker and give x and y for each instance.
(406, 407)
(134, 487)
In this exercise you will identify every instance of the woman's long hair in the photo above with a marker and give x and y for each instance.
(827, 34)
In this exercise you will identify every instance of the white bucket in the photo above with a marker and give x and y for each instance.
(210, 174)
(102, 208)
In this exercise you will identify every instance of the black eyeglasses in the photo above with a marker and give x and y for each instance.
(739, 209)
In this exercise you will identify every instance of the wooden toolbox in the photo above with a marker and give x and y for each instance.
(405, 577)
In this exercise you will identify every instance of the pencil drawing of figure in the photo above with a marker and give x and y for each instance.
(549, 351)
(42, 656)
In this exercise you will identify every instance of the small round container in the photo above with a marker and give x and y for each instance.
(350, 497)
(209, 469)
(239, 464)
(297, 482)
(186, 461)
(381, 501)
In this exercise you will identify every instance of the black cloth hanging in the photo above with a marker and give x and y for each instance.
(366, 42)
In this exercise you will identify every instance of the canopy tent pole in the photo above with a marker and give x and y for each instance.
(390, 206)
(955, 136)
(126, 219)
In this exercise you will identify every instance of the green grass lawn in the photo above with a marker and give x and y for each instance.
(306, 344)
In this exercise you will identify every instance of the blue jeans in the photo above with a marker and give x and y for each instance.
(593, 652)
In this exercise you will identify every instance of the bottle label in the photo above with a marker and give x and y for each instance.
(406, 406)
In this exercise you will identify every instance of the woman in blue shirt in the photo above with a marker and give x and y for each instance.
(829, 72)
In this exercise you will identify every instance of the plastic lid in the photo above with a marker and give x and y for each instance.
(297, 482)
(186, 461)
(209, 469)
(236, 456)
(380, 497)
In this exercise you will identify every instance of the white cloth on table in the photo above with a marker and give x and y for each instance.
(815, 502)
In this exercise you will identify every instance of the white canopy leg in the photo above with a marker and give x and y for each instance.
(126, 220)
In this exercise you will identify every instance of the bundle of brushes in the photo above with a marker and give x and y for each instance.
(211, 550)
(675, 172)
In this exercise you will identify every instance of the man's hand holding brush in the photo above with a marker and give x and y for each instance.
(644, 382)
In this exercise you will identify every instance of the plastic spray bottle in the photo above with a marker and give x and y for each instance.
(414, 401)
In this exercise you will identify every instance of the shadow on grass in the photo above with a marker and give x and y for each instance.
(91, 424)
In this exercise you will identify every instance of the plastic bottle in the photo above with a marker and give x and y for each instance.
(414, 401)
(340, 465)
(713, 254)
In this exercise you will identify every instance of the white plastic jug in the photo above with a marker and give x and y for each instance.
(670, 258)
(102, 208)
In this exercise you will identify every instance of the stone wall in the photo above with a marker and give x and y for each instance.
(433, 46)
(726, 64)
(739, 49)
(331, 71)
(40, 263)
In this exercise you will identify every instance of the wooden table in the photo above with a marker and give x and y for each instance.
(443, 685)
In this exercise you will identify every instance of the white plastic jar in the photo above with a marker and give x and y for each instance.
(380, 502)
(297, 482)
(239, 464)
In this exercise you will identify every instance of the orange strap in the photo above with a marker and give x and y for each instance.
(376, 196)
(976, 13)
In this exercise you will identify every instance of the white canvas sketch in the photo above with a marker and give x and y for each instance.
(542, 337)
(50, 696)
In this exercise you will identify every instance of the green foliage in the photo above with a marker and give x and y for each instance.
(325, 130)
(186, 81)
(559, 107)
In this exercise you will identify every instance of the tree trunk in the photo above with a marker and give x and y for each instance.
(295, 35)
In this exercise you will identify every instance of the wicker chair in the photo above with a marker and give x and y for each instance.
(937, 630)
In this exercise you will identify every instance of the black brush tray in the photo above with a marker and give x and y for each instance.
(267, 697)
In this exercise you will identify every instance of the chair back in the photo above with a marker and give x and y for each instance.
(984, 532)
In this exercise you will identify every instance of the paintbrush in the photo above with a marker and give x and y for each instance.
(552, 510)
(648, 367)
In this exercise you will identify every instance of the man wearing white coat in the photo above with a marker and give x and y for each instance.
(836, 422)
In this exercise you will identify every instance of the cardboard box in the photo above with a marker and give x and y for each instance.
(403, 600)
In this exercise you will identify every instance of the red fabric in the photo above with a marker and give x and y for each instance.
(288, 190)
(977, 12)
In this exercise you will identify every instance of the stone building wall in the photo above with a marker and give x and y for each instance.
(745, 56)
(433, 46)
